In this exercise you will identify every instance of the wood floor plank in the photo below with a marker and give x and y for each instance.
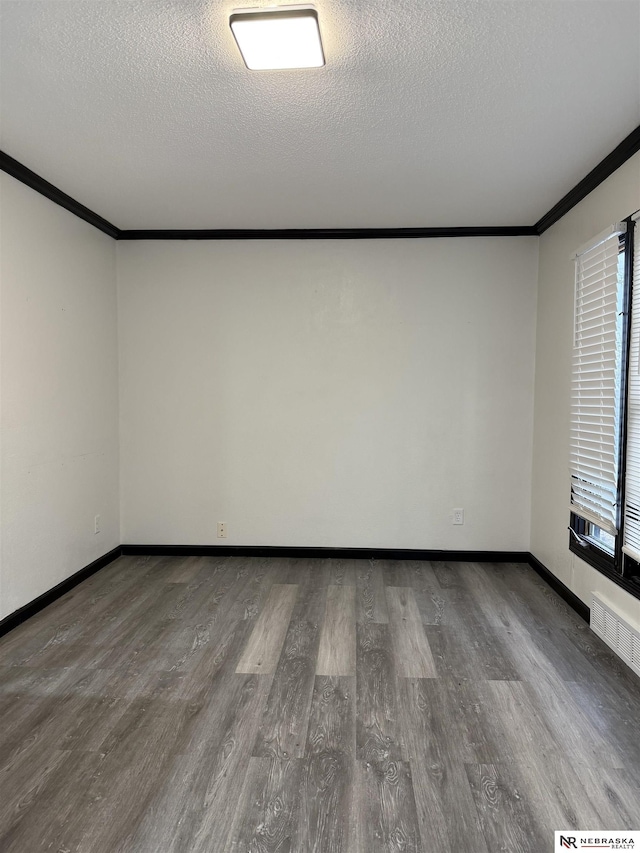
(79, 719)
(412, 573)
(326, 822)
(283, 729)
(126, 728)
(377, 725)
(470, 646)
(411, 646)
(387, 820)
(445, 720)
(481, 587)
(506, 821)
(438, 739)
(138, 751)
(393, 572)
(311, 601)
(371, 601)
(472, 716)
(224, 775)
(558, 794)
(31, 709)
(268, 822)
(180, 634)
(185, 569)
(451, 653)
(607, 672)
(52, 816)
(291, 569)
(143, 648)
(343, 572)
(571, 726)
(537, 605)
(75, 616)
(613, 719)
(447, 574)
(194, 806)
(553, 699)
(22, 782)
(613, 795)
(337, 651)
(446, 809)
(266, 640)
(224, 638)
(332, 717)
(553, 787)
(434, 603)
(515, 725)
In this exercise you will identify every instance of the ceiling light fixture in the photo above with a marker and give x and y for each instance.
(282, 37)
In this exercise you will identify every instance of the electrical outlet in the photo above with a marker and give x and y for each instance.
(458, 516)
(222, 530)
(96, 524)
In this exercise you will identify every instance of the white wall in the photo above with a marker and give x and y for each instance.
(614, 199)
(58, 384)
(327, 393)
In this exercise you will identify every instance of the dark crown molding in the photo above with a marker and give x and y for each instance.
(627, 148)
(21, 173)
(623, 152)
(328, 233)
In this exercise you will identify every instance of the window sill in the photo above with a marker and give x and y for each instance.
(605, 564)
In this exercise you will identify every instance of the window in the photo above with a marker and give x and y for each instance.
(605, 407)
(631, 518)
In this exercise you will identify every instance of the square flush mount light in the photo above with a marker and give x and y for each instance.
(282, 37)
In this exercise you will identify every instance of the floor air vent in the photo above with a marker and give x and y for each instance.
(616, 632)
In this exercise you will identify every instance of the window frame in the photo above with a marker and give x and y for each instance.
(617, 566)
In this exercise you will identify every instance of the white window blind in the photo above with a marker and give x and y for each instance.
(631, 544)
(595, 382)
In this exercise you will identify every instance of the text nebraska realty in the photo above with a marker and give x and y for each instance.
(608, 843)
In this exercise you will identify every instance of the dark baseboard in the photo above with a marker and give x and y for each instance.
(557, 586)
(19, 616)
(366, 554)
(333, 553)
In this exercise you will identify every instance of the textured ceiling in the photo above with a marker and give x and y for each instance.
(426, 114)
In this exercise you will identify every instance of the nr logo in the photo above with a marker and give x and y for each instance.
(569, 842)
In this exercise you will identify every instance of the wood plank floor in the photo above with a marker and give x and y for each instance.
(245, 705)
